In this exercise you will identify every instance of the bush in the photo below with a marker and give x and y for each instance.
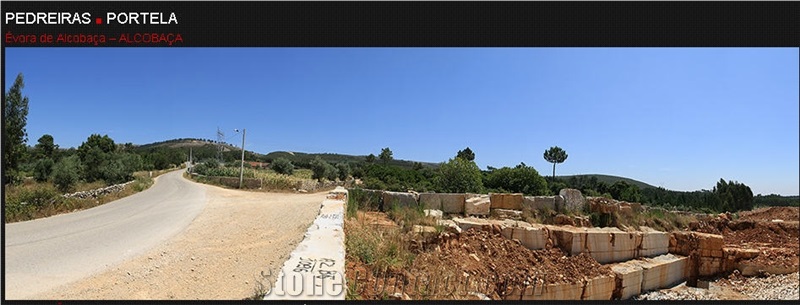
(343, 170)
(520, 179)
(282, 166)
(120, 168)
(66, 173)
(364, 200)
(43, 169)
(459, 176)
(323, 169)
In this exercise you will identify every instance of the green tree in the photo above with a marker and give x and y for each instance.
(43, 169)
(370, 158)
(282, 166)
(386, 155)
(97, 155)
(466, 154)
(622, 190)
(46, 148)
(459, 176)
(66, 173)
(343, 169)
(15, 116)
(520, 179)
(319, 167)
(331, 172)
(555, 155)
(733, 196)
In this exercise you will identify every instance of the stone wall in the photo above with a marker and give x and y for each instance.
(98, 192)
(482, 204)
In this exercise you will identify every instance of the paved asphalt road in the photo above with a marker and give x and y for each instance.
(42, 254)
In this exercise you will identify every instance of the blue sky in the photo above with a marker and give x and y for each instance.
(677, 118)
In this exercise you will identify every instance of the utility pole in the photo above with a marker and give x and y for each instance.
(190, 160)
(241, 171)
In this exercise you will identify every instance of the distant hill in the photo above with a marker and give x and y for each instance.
(299, 157)
(186, 142)
(204, 148)
(608, 179)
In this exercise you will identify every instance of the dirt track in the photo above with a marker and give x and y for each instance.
(220, 256)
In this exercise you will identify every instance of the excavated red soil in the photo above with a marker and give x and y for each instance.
(768, 214)
(776, 235)
(778, 242)
(493, 265)
(506, 260)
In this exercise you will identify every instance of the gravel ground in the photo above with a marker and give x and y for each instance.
(772, 287)
(220, 255)
(735, 287)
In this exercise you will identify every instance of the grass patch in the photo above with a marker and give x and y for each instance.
(408, 216)
(32, 200)
(383, 249)
(269, 179)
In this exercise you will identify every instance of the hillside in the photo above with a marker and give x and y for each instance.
(609, 179)
(204, 148)
(299, 157)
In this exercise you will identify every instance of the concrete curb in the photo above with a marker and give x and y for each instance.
(315, 269)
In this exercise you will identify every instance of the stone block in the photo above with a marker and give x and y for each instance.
(573, 199)
(453, 203)
(424, 230)
(477, 206)
(507, 214)
(684, 243)
(599, 288)
(748, 268)
(739, 254)
(663, 271)
(606, 245)
(449, 225)
(710, 253)
(533, 238)
(654, 242)
(437, 214)
(399, 198)
(628, 280)
(709, 241)
(469, 223)
(539, 202)
(709, 266)
(430, 201)
(506, 201)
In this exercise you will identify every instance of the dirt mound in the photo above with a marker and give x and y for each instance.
(456, 266)
(768, 214)
(490, 255)
(777, 235)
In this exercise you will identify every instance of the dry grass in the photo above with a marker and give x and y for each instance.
(32, 200)
(382, 248)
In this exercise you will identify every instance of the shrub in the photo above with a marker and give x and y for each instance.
(36, 195)
(343, 170)
(520, 179)
(459, 176)
(323, 169)
(43, 169)
(282, 166)
(66, 173)
(363, 200)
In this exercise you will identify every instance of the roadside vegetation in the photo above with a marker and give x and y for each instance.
(32, 199)
(35, 178)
